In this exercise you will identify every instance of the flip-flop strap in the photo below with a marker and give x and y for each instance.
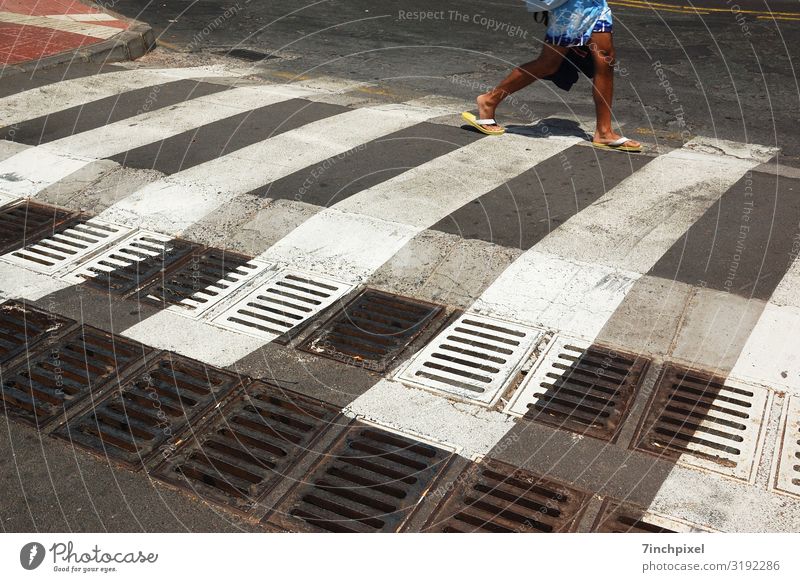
(485, 122)
(618, 142)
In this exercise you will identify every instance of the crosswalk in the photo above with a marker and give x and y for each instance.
(569, 281)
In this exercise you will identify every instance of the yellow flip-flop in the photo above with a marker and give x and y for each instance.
(480, 124)
(618, 144)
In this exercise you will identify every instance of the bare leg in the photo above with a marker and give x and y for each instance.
(602, 47)
(546, 64)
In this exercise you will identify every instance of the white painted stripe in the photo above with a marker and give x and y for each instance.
(178, 201)
(54, 97)
(353, 238)
(83, 17)
(18, 282)
(35, 169)
(618, 238)
(86, 29)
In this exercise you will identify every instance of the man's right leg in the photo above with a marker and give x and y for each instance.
(545, 65)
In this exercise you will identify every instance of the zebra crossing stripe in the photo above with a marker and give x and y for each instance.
(354, 237)
(576, 277)
(34, 169)
(178, 201)
(69, 93)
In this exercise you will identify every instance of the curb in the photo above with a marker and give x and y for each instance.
(130, 44)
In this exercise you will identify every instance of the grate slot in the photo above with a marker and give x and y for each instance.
(491, 497)
(69, 246)
(787, 478)
(150, 409)
(25, 222)
(61, 374)
(705, 421)
(618, 517)
(249, 446)
(474, 358)
(206, 279)
(579, 386)
(132, 263)
(373, 330)
(22, 327)
(370, 480)
(282, 304)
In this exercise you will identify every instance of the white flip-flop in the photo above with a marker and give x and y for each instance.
(480, 124)
(618, 144)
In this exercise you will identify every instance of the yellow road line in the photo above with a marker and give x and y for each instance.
(778, 17)
(647, 4)
(628, 4)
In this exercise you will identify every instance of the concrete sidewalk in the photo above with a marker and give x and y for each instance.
(48, 32)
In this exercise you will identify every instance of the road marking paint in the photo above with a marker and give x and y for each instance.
(85, 29)
(354, 237)
(176, 202)
(61, 95)
(31, 171)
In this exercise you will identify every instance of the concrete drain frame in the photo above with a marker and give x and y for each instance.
(579, 386)
(621, 517)
(474, 358)
(705, 421)
(786, 476)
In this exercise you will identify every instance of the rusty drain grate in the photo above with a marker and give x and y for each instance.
(475, 358)
(282, 305)
(132, 264)
(22, 326)
(705, 421)
(373, 330)
(209, 276)
(149, 410)
(788, 472)
(249, 446)
(52, 381)
(369, 481)
(68, 246)
(493, 497)
(580, 387)
(23, 223)
(618, 517)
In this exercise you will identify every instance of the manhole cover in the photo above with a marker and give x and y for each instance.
(283, 304)
(788, 477)
(23, 223)
(473, 358)
(62, 374)
(373, 330)
(23, 326)
(208, 277)
(494, 497)
(369, 481)
(580, 387)
(68, 246)
(705, 421)
(618, 517)
(149, 410)
(133, 263)
(249, 446)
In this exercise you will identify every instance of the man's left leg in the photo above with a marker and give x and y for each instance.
(602, 47)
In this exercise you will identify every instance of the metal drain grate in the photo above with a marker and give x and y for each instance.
(616, 517)
(55, 379)
(788, 475)
(208, 277)
(22, 326)
(68, 246)
(372, 330)
(705, 421)
(580, 387)
(252, 444)
(23, 223)
(369, 481)
(493, 497)
(473, 358)
(131, 264)
(150, 410)
(282, 304)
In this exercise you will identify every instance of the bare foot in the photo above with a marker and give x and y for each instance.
(608, 137)
(486, 110)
